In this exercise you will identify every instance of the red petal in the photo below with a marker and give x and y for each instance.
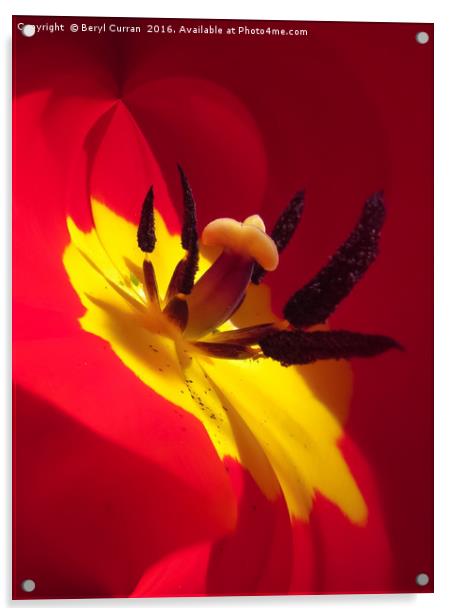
(182, 573)
(91, 514)
(257, 557)
(267, 554)
(254, 558)
(350, 558)
(211, 133)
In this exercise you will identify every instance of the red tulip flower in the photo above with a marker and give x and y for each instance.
(203, 399)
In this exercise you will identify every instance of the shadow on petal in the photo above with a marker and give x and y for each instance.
(100, 514)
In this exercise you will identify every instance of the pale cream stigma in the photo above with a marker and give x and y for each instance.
(247, 238)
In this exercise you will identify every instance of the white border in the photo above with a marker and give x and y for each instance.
(436, 11)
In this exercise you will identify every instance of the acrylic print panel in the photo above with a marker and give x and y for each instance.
(222, 307)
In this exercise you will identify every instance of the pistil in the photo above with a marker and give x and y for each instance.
(218, 294)
(221, 290)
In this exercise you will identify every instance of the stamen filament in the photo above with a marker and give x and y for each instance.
(227, 351)
(177, 312)
(183, 277)
(150, 282)
(245, 335)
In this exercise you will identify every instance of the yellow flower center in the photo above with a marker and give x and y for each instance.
(255, 411)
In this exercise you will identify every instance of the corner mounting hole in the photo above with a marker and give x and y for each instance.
(422, 579)
(422, 37)
(28, 585)
(28, 30)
